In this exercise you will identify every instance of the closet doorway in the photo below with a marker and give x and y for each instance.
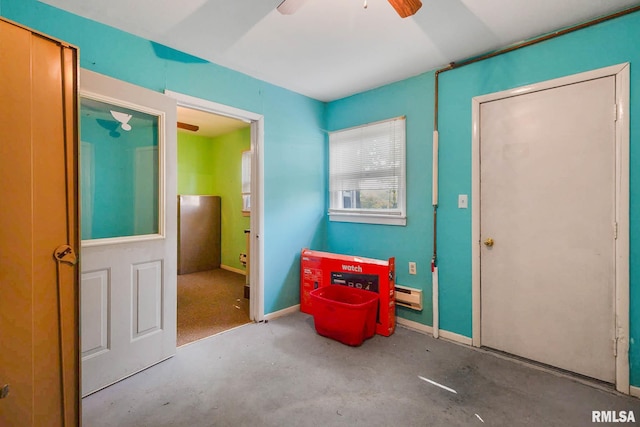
(214, 222)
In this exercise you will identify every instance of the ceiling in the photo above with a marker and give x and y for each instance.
(330, 49)
(209, 125)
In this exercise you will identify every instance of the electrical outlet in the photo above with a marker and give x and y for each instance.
(412, 267)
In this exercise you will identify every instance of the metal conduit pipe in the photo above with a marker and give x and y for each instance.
(453, 66)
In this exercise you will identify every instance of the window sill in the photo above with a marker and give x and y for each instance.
(368, 219)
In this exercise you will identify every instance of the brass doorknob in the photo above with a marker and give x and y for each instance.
(489, 242)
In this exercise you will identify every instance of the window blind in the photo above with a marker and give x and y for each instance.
(369, 159)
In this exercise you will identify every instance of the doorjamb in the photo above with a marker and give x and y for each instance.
(622, 78)
(256, 272)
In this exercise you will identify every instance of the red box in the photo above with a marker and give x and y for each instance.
(345, 314)
(319, 269)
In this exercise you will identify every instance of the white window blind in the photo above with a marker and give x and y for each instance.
(367, 171)
(246, 181)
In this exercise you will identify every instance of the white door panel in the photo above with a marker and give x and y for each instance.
(94, 307)
(128, 286)
(547, 167)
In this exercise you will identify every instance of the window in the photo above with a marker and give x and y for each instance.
(367, 173)
(246, 183)
(119, 163)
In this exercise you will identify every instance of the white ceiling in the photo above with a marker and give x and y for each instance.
(330, 49)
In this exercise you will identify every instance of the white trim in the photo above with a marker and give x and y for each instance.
(415, 326)
(428, 330)
(120, 240)
(622, 219)
(621, 73)
(452, 336)
(213, 107)
(634, 391)
(256, 245)
(475, 223)
(256, 272)
(233, 269)
(283, 312)
(367, 218)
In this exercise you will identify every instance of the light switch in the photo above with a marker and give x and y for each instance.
(462, 201)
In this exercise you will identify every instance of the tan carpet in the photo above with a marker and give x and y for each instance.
(210, 302)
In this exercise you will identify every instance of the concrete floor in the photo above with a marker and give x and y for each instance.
(282, 373)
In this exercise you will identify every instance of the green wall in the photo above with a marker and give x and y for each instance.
(227, 166)
(195, 160)
(212, 166)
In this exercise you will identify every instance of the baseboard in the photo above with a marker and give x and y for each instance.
(452, 336)
(634, 391)
(233, 269)
(283, 312)
(418, 327)
(426, 329)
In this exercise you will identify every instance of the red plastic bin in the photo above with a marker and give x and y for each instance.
(345, 314)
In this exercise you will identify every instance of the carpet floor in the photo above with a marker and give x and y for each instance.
(210, 302)
(281, 373)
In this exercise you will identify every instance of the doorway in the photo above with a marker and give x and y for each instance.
(212, 223)
(550, 223)
(255, 241)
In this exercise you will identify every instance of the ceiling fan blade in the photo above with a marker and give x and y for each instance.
(406, 7)
(289, 7)
(188, 126)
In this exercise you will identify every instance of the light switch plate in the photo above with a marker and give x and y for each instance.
(463, 201)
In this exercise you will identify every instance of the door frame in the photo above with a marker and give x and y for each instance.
(621, 261)
(256, 245)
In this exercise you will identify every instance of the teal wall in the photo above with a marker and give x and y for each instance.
(412, 98)
(294, 170)
(606, 44)
(295, 155)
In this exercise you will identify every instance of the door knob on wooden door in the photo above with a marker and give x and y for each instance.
(488, 242)
(4, 391)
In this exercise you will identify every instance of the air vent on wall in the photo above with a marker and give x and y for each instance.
(409, 297)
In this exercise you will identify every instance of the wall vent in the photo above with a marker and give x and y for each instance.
(409, 297)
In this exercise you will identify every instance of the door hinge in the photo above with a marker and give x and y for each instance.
(615, 347)
(615, 112)
(615, 231)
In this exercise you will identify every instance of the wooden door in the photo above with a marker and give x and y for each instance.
(39, 357)
(547, 202)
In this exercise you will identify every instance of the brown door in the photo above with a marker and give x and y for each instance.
(39, 367)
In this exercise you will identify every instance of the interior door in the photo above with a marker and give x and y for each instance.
(547, 214)
(128, 281)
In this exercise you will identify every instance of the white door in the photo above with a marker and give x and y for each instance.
(128, 255)
(547, 201)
